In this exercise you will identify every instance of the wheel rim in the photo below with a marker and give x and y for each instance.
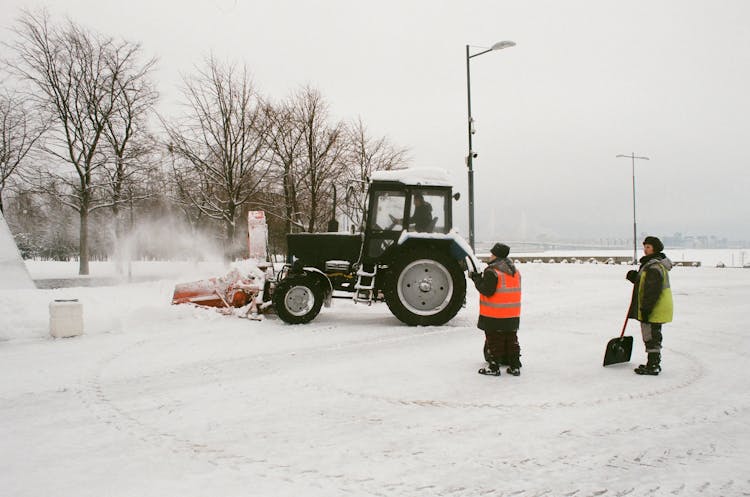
(425, 287)
(299, 300)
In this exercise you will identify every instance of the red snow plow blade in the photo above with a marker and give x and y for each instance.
(232, 290)
(212, 292)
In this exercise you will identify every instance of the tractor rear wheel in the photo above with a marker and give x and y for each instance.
(298, 299)
(425, 287)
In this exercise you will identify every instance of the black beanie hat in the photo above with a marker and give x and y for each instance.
(654, 242)
(500, 250)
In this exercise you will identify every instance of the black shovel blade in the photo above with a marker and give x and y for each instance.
(618, 350)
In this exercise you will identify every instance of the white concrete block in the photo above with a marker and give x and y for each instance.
(65, 318)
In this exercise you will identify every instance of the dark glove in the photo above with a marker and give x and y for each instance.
(475, 277)
(632, 276)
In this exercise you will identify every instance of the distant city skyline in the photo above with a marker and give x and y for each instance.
(670, 241)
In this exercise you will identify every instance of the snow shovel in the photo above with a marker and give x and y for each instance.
(620, 348)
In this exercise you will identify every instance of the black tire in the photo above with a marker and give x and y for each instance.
(425, 288)
(298, 299)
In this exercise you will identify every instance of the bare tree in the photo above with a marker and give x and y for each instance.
(19, 132)
(76, 76)
(322, 150)
(220, 145)
(285, 142)
(184, 186)
(364, 156)
(131, 146)
(311, 158)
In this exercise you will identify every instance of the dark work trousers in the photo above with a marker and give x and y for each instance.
(501, 347)
(651, 336)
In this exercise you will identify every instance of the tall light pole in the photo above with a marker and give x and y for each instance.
(470, 158)
(632, 158)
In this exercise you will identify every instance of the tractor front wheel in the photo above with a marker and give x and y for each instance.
(425, 288)
(298, 299)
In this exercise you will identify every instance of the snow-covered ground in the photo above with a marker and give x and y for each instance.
(161, 400)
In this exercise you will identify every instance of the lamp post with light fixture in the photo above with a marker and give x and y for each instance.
(632, 158)
(472, 155)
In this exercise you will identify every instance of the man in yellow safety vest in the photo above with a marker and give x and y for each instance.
(651, 302)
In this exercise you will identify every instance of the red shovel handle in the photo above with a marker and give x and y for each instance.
(624, 325)
(627, 315)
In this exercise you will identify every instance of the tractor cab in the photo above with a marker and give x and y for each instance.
(398, 203)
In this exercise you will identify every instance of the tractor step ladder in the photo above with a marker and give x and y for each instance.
(365, 285)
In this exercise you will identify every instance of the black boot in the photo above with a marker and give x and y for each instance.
(514, 367)
(652, 367)
(492, 370)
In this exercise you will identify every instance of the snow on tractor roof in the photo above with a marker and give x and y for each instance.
(420, 176)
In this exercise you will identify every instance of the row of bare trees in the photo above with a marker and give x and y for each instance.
(81, 130)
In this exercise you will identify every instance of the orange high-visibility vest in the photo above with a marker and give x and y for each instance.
(506, 301)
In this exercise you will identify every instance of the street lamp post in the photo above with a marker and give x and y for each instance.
(470, 158)
(632, 158)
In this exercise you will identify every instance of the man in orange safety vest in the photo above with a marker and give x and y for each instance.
(499, 288)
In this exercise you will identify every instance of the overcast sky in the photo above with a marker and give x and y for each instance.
(587, 80)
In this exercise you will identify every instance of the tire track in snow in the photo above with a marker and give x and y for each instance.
(107, 412)
(127, 421)
(95, 399)
(696, 374)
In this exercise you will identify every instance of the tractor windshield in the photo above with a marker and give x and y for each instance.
(388, 211)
